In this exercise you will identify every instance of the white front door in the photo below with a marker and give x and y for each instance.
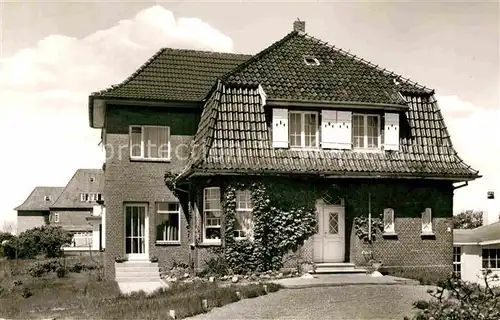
(136, 231)
(329, 240)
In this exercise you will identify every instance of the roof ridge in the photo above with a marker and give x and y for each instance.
(368, 63)
(259, 55)
(205, 51)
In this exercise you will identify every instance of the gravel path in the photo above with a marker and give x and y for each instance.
(346, 302)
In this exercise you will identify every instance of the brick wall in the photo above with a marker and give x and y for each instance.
(31, 219)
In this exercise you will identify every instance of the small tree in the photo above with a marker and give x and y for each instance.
(468, 220)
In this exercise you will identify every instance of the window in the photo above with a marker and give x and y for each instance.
(47, 198)
(366, 131)
(56, 217)
(150, 142)
(90, 197)
(457, 261)
(82, 239)
(311, 61)
(427, 221)
(211, 215)
(388, 220)
(168, 223)
(92, 179)
(243, 222)
(84, 197)
(491, 258)
(303, 129)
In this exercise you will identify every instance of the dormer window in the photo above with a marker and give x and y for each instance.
(311, 61)
(303, 131)
(366, 131)
(47, 198)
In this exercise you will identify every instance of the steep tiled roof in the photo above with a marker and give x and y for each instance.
(235, 136)
(490, 232)
(36, 199)
(80, 183)
(340, 76)
(175, 75)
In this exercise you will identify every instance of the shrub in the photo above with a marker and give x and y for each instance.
(40, 240)
(215, 266)
(39, 269)
(61, 271)
(460, 300)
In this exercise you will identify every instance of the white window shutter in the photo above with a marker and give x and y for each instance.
(391, 131)
(280, 128)
(344, 127)
(328, 132)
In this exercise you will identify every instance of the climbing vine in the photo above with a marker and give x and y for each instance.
(361, 225)
(279, 226)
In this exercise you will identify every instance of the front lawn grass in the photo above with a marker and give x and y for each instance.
(83, 296)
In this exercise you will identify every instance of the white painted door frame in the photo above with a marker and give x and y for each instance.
(136, 231)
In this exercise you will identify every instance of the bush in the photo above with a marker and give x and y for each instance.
(215, 266)
(4, 236)
(39, 269)
(61, 271)
(40, 240)
(460, 300)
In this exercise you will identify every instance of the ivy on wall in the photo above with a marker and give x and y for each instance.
(280, 224)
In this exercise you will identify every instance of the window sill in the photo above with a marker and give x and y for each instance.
(391, 234)
(368, 150)
(427, 234)
(168, 243)
(210, 244)
(305, 148)
(148, 160)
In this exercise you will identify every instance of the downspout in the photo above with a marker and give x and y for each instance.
(369, 217)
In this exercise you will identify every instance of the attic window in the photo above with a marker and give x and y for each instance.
(311, 61)
(92, 179)
(47, 198)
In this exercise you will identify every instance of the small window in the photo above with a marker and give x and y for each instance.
(457, 261)
(491, 258)
(150, 142)
(168, 223)
(389, 220)
(243, 224)
(92, 179)
(56, 217)
(84, 197)
(427, 221)
(211, 215)
(311, 61)
(47, 198)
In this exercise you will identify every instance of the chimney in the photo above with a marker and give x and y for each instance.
(299, 25)
(491, 214)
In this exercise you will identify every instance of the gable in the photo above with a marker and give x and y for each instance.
(81, 182)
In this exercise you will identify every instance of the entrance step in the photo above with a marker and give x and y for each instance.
(137, 271)
(337, 267)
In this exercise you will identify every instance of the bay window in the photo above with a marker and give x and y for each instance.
(243, 216)
(212, 215)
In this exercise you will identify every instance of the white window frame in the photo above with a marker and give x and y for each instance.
(142, 156)
(389, 228)
(302, 129)
(242, 211)
(84, 197)
(458, 261)
(205, 211)
(427, 227)
(161, 213)
(365, 130)
(56, 216)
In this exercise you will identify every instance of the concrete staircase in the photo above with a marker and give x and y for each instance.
(337, 268)
(138, 275)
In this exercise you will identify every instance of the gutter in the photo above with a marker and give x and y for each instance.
(489, 242)
(336, 104)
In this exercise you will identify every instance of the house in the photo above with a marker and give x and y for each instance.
(69, 207)
(325, 133)
(35, 210)
(475, 250)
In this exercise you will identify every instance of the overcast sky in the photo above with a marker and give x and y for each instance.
(54, 54)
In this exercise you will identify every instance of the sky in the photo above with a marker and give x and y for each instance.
(54, 54)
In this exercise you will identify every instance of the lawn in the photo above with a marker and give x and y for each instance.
(84, 295)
